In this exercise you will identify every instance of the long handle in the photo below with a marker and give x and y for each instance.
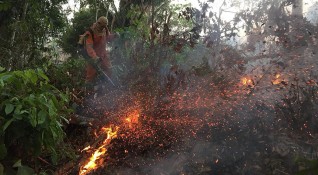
(108, 78)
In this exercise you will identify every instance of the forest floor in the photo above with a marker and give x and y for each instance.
(200, 130)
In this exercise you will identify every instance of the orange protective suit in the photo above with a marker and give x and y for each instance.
(97, 48)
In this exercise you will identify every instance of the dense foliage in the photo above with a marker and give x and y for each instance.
(25, 29)
(32, 114)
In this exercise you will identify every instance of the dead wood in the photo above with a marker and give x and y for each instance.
(81, 120)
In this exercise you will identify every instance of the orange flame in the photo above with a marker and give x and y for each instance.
(92, 165)
(277, 75)
(87, 148)
(246, 81)
(97, 157)
(277, 79)
(133, 118)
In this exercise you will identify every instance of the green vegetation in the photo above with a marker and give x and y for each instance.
(32, 114)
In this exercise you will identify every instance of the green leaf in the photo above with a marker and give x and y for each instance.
(31, 75)
(66, 120)
(54, 156)
(33, 117)
(42, 75)
(9, 108)
(42, 115)
(5, 126)
(17, 164)
(2, 69)
(54, 134)
(24, 170)
(3, 152)
(24, 111)
(64, 97)
(52, 108)
(5, 77)
(18, 109)
(59, 124)
(17, 116)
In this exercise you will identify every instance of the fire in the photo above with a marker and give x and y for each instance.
(277, 75)
(101, 150)
(247, 81)
(277, 79)
(132, 118)
(87, 148)
(96, 159)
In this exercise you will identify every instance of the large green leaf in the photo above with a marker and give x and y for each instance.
(17, 164)
(42, 75)
(31, 75)
(24, 170)
(33, 117)
(9, 108)
(18, 109)
(52, 108)
(5, 77)
(42, 115)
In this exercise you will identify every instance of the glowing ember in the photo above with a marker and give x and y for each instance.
(132, 118)
(87, 148)
(277, 79)
(97, 155)
(247, 81)
(277, 75)
(96, 159)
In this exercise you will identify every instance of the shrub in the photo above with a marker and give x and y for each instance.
(31, 115)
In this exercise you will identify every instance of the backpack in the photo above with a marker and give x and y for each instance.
(82, 42)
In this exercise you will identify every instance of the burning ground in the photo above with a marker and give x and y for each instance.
(216, 124)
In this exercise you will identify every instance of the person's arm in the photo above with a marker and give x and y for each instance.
(89, 46)
(110, 36)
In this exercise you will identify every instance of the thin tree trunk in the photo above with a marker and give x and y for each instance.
(96, 10)
(24, 55)
(152, 22)
(12, 40)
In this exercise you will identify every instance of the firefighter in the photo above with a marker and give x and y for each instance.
(95, 46)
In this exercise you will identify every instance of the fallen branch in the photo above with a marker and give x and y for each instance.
(81, 120)
(46, 162)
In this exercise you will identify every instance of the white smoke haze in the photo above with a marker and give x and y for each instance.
(249, 105)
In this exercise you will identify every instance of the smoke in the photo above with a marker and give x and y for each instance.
(216, 124)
